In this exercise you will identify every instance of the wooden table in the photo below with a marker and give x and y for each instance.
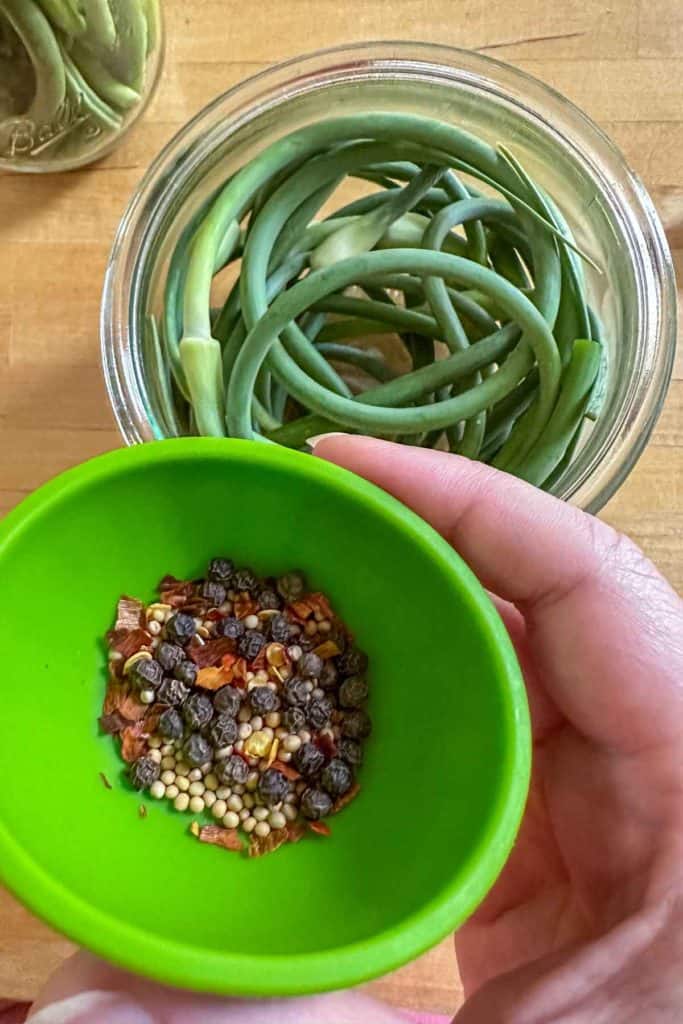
(621, 60)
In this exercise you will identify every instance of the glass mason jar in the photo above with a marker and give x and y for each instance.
(604, 203)
(74, 76)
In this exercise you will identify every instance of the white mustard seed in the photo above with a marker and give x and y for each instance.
(290, 812)
(223, 792)
(245, 731)
(244, 714)
(159, 614)
(249, 824)
(196, 804)
(181, 802)
(291, 743)
(276, 819)
(260, 813)
(167, 749)
(172, 791)
(248, 800)
(155, 755)
(197, 788)
(262, 829)
(281, 732)
(157, 790)
(256, 723)
(285, 756)
(309, 686)
(244, 814)
(251, 622)
(211, 782)
(147, 696)
(261, 677)
(231, 820)
(154, 742)
(317, 692)
(271, 685)
(305, 736)
(168, 777)
(252, 781)
(154, 627)
(182, 768)
(273, 719)
(325, 626)
(219, 809)
(235, 803)
(205, 768)
(167, 762)
(294, 652)
(209, 798)
(195, 775)
(223, 752)
(182, 782)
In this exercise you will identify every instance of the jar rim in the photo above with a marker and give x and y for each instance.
(643, 235)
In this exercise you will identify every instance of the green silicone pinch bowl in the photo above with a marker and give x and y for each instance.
(446, 772)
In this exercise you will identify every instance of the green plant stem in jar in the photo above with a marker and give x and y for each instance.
(74, 74)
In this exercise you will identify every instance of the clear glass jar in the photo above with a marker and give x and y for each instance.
(605, 204)
(74, 76)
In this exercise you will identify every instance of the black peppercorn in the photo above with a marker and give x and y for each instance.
(171, 724)
(251, 643)
(223, 730)
(228, 701)
(245, 580)
(329, 677)
(230, 628)
(146, 674)
(296, 692)
(280, 629)
(351, 751)
(144, 772)
(232, 769)
(173, 692)
(198, 710)
(310, 666)
(319, 712)
(315, 804)
(337, 777)
(169, 655)
(269, 598)
(214, 593)
(308, 759)
(292, 586)
(273, 787)
(197, 749)
(356, 725)
(186, 672)
(353, 692)
(294, 719)
(352, 662)
(262, 700)
(180, 629)
(221, 570)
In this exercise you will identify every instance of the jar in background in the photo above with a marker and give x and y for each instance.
(605, 205)
(74, 76)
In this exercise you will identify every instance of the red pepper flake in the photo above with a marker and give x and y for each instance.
(300, 610)
(327, 649)
(214, 835)
(290, 773)
(113, 723)
(175, 592)
(296, 832)
(214, 615)
(130, 613)
(212, 652)
(259, 846)
(319, 603)
(342, 801)
(320, 828)
(119, 698)
(239, 671)
(244, 605)
(133, 744)
(150, 722)
(128, 641)
(212, 678)
(325, 743)
(105, 781)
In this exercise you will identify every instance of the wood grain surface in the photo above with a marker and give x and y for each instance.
(621, 60)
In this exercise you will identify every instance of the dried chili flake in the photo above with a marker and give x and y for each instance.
(214, 615)
(128, 641)
(319, 605)
(212, 652)
(212, 678)
(347, 797)
(113, 723)
(296, 831)
(320, 828)
(133, 745)
(300, 610)
(287, 770)
(228, 838)
(130, 613)
(175, 592)
(119, 698)
(259, 846)
(325, 743)
(105, 781)
(244, 605)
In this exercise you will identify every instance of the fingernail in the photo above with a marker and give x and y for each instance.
(317, 438)
(92, 1007)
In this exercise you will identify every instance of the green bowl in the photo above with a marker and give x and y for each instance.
(446, 772)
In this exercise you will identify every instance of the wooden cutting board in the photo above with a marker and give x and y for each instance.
(55, 233)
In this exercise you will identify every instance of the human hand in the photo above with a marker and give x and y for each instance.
(586, 920)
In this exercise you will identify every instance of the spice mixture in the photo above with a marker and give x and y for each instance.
(242, 697)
